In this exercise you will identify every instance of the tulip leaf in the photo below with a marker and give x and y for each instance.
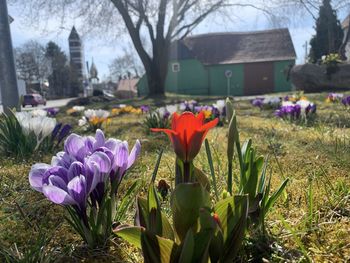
(232, 212)
(155, 171)
(132, 234)
(229, 109)
(141, 217)
(156, 249)
(186, 201)
(211, 166)
(202, 179)
(187, 248)
(154, 211)
(167, 229)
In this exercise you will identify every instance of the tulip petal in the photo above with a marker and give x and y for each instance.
(36, 175)
(209, 125)
(57, 195)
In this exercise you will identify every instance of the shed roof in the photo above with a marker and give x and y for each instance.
(236, 47)
(345, 23)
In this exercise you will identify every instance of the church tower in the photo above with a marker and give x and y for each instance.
(76, 52)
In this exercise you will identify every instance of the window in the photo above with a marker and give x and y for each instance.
(175, 67)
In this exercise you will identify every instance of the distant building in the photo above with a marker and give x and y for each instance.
(127, 88)
(345, 25)
(235, 63)
(76, 52)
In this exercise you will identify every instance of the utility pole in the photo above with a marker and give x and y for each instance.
(8, 79)
(306, 55)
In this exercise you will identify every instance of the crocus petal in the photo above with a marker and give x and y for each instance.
(73, 144)
(57, 195)
(57, 181)
(77, 190)
(36, 175)
(100, 139)
(76, 169)
(102, 161)
(112, 145)
(122, 155)
(135, 152)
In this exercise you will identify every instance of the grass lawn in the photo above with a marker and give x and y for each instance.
(311, 220)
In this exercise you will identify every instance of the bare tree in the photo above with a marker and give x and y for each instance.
(158, 22)
(31, 63)
(125, 65)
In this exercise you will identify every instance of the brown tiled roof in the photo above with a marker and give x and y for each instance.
(236, 47)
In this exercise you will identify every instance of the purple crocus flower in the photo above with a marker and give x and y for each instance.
(52, 111)
(145, 108)
(258, 102)
(346, 101)
(82, 170)
(63, 133)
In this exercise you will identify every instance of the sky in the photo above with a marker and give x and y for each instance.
(102, 53)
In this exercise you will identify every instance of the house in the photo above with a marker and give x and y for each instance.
(237, 63)
(345, 25)
(127, 88)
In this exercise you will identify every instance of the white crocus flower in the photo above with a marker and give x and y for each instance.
(220, 105)
(78, 108)
(162, 111)
(35, 125)
(287, 103)
(101, 114)
(303, 104)
(39, 113)
(171, 108)
(82, 122)
(48, 125)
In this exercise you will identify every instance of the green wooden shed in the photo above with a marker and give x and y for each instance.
(236, 63)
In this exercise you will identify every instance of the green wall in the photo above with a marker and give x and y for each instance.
(218, 81)
(281, 83)
(191, 79)
(196, 79)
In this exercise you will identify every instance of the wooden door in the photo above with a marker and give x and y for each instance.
(258, 78)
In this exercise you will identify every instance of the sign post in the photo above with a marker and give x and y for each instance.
(228, 75)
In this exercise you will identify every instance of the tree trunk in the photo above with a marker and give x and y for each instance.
(158, 70)
(8, 79)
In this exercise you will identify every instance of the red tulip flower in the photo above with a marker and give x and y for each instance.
(187, 134)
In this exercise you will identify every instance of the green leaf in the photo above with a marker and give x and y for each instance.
(262, 181)
(229, 109)
(167, 230)
(154, 211)
(155, 171)
(132, 234)
(272, 200)
(201, 178)
(232, 212)
(156, 249)
(187, 248)
(141, 217)
(186, 201)
(211, 167)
